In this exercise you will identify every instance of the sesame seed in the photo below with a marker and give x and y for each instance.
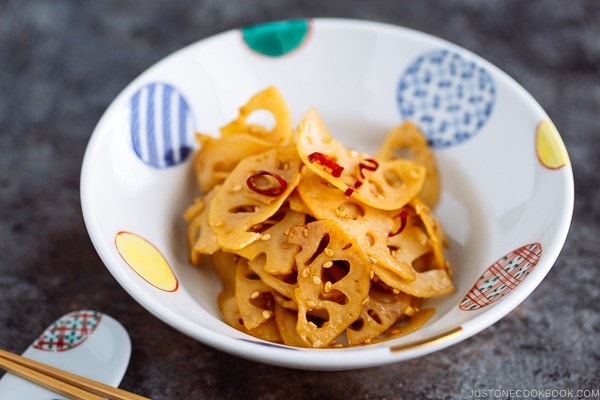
(265, 237)
(328, 286)
(316, 280)
(305, 232)
(237, 187)
(365, 301)
(371, 274)
(396, 291)
(317, 343)
(219, 223)
(266, 314)
(254, 295)
(328, 252)
(328, 264)
(305, 272)
(414, 173)
(380, 196)
(373, 260)
(311, 303)
(312, 324)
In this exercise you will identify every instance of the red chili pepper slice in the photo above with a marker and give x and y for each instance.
(352, 188)
(403, 215)
(326, 161)
(369, 164)
(280, 187)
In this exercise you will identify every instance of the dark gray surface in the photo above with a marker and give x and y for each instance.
(62, 63)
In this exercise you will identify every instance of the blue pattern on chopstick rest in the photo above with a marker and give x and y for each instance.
(161, 126)
(448, 95)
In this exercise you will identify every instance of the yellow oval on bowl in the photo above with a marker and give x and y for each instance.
(146, 260)
(551, 150)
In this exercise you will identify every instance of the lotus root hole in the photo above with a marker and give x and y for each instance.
(245, 208)
(322, 245)
(262, 117)
(393, 179)
(350, 210)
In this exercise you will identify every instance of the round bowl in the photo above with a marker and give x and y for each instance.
(507, 184)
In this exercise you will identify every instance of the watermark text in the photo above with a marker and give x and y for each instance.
(534, 393)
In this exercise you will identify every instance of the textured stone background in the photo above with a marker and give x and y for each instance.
(61, 64)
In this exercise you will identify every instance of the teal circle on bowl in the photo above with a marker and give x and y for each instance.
(275, 39)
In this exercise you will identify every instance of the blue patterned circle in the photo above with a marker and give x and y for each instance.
(162, 131)
(448, 96)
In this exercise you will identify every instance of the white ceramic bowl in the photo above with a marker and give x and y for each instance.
(507, 184)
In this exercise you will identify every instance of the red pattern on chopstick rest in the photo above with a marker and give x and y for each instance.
(68, 331)
(502, 277)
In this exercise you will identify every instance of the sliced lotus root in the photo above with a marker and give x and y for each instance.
(225, 265)
(201, 239)
(432, 283)
(269, 100)
(217, 157)
(406, 325)
(407, 142)
(287, 320)
(192, 215)
(373, 246)
(410, 245)
(297, 204)
(419, 244)
(380, 312)
(284, 285)
(278, 252)
(386, 185)
(252, 193)
(325, 201)
(272, 257)
(409, 242)
(228, 307)
(437, 237)
(369, 226)
(268, 331)
(333, 281)
(254, 298)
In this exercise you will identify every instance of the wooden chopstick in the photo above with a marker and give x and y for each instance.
(60, 381)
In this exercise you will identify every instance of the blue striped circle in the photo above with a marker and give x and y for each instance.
(162, 131)
(447, 95)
